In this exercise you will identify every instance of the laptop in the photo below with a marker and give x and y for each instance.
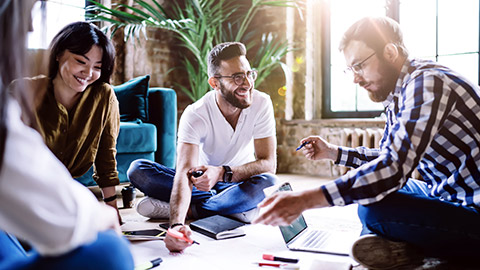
(299, 237)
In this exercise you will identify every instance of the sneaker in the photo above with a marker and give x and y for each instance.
(153, 208)
(375, 252)
(247, 216)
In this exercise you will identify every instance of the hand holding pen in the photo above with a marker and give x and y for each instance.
(315, 148)
(178, 235)
(178, 239)
(302, 145)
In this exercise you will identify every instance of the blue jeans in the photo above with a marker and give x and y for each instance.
(439, 228)
(156, 180)
(109, 251)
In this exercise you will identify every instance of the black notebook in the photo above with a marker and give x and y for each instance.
(218, 227)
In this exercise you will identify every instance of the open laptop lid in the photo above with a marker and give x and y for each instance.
(338, 247)
(298, 226)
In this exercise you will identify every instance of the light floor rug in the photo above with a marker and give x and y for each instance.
(244, 252)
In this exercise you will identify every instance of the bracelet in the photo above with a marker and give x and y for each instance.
(109, 199)
(175, 225)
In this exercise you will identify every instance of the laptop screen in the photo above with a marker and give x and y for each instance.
(289, 232)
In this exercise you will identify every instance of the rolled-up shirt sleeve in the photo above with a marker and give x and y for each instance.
(105, 165)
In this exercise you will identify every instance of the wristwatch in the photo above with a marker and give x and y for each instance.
(227, 176)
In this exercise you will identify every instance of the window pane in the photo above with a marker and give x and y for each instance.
(418, 23)
(465, 64)
(364, 103)
(345, 96)
(58, 14)
(457, 26)
(342, 92)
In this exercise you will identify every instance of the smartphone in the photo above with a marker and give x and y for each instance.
(150, 232)
(165, 225)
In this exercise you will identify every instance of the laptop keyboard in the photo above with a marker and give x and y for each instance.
(313, 239)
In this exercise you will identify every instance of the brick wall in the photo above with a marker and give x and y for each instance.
(289, 134)
(161, 52)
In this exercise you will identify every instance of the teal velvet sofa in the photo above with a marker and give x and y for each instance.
(148, 126)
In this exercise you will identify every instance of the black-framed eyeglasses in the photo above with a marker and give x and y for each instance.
(239, 78)
(357, 68)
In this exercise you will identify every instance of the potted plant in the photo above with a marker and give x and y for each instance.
(199, 25)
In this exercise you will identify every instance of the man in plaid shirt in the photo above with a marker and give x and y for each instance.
(433, 125)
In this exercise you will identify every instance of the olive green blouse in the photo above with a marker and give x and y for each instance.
(86, 135)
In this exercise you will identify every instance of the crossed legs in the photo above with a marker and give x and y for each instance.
(156, 180)
(437, 227)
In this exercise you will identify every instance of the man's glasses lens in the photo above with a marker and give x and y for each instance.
(240, 78)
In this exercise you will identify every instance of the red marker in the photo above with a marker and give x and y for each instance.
(269, 257)
(181, 236)
(279, 265)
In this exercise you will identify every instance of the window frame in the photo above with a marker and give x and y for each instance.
(392, 10)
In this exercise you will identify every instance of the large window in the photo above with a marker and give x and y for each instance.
(51, 18)
(441, 30)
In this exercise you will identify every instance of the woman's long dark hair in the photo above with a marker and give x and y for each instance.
(78, 38)
(15, 21)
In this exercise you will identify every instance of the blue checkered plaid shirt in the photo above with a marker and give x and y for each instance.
(433, 124)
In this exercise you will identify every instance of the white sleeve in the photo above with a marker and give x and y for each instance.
(39, 200)
(265, 124)
(192, 127)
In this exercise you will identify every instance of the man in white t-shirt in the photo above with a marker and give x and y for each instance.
(226, 151)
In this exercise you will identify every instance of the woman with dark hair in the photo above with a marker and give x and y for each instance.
(78, 116)
(40, 203)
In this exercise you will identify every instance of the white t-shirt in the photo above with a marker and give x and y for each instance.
(203, 124)
(39, 200)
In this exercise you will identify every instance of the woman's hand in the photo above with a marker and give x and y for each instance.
(109, 192)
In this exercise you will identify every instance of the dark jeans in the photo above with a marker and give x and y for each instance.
(109, 251)
(156, 180)
(440, 228)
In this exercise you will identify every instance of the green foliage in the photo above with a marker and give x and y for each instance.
(199, 25)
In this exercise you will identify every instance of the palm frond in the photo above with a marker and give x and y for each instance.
(199, 25)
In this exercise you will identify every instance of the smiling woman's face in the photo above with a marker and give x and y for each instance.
(79, 71)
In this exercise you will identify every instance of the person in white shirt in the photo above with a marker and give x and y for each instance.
(226, 151)
(40, 203)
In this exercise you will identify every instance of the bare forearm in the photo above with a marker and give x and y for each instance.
(180, 200)
(282, 208)
(108, 191)
(253, 168)
(314, 198)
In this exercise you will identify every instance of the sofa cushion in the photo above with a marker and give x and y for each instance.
(132, 97)
(137, 137)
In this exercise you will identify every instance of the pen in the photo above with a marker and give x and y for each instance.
(302, 145)
(269, 257)
(149, 265)
(181, 236)
(279, 265)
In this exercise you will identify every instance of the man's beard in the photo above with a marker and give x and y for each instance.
(229, 96)
(390, 75)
